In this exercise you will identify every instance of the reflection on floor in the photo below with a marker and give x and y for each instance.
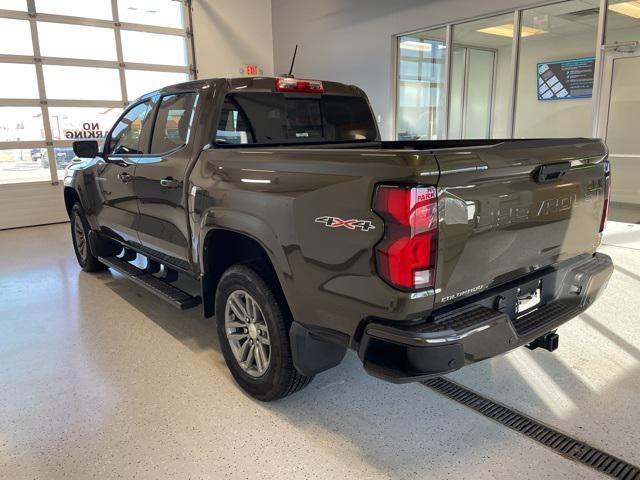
(98, 378)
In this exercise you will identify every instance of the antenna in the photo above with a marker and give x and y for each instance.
(293, 60)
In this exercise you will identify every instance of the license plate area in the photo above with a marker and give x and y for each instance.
(527, 301)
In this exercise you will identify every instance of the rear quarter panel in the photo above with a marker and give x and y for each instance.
(275, 196)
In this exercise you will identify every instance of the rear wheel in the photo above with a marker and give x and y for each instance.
(80, 236)
(254, 335)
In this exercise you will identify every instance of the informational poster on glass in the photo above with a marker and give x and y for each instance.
(566, 79)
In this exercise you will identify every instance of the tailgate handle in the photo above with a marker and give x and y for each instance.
(551, 173)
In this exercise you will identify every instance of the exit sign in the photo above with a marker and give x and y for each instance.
(251, 70)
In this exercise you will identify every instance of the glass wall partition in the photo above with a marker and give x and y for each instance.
(556, 70)
(527, 73)
(620, 94)
(421, 96)
(69, 67)
(560, 69)
(480, 78)
(623, 21)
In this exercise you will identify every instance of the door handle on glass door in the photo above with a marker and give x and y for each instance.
(170, 182)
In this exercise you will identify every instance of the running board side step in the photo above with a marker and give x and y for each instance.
(162, 289)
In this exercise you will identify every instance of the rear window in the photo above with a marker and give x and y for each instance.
(265, 118)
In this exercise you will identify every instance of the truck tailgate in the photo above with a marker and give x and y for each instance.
(503, 211)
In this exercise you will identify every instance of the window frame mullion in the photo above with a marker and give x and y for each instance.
(515, 70)
(187, 20)
(44, 107)
(447, 80)
(119, 55)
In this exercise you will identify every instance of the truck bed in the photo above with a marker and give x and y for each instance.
(497, 219)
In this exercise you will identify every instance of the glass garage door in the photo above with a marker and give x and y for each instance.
(68, 69)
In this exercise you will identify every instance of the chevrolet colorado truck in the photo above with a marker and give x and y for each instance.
(273, 203)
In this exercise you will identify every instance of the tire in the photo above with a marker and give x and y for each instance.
(79, 234)
(280, 378)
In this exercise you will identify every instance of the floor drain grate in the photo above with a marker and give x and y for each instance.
(559, 442)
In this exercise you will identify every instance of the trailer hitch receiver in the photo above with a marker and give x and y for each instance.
(548, 341)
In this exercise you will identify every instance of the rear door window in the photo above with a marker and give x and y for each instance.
(266, 118)
(173, 122)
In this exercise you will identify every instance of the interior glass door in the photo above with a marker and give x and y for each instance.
(619, 124)
(472, 86)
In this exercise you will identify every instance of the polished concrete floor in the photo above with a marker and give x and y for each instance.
(99, 379)
(624, 212)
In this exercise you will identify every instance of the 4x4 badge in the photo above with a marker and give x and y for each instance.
(352, 224)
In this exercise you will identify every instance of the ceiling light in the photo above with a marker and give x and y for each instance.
(630, 9)
(506, 30)
(418, 46)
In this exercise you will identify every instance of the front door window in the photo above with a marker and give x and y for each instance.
(127, 137)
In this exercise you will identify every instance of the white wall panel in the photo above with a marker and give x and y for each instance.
(24, 204)
(232, 33)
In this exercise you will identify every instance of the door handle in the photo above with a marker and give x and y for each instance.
(170, 182)
(125, 177)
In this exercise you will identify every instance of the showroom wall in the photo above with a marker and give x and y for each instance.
(351, 40)
(229, 34)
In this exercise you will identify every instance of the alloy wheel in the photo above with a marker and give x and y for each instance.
(80, 236)
(247, 333)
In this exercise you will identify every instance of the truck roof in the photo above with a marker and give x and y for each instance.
(250, 84)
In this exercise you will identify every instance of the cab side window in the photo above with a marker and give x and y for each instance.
(128, 136)
(173, 122)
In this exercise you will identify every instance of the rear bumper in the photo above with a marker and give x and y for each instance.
(485, 328)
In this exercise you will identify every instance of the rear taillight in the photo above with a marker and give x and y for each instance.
(406, 256)
(284, 84)
(607, 194)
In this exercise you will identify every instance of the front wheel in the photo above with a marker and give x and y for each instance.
(254, 335)
(80, 236)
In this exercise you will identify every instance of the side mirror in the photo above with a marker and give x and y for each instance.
(86, 148)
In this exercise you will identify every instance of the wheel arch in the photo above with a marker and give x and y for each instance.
(236, 248)
(71, 197)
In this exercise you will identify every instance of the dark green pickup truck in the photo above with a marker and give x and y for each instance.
(273, 203)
